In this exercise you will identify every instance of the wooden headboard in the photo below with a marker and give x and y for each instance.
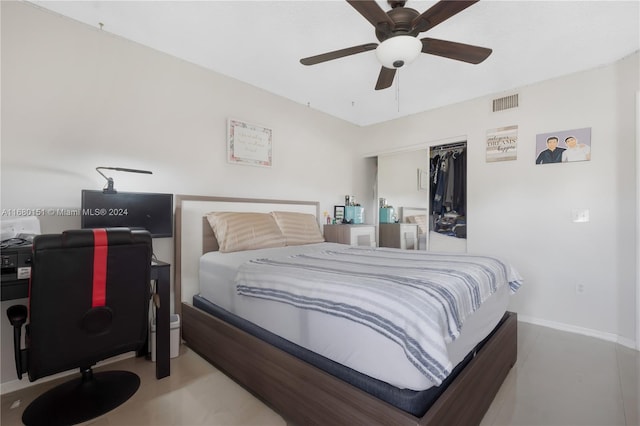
(194, 236)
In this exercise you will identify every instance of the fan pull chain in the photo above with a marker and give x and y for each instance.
(398, 89)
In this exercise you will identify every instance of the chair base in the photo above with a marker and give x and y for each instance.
(82, 399)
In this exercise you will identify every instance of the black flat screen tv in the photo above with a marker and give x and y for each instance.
(136, 210)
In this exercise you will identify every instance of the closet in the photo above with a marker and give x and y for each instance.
(448, 197)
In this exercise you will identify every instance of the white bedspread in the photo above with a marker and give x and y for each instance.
(419, 300)
(346, 342)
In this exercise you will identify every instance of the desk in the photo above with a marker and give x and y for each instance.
(160, 273)
(16, 267)
(14, 289)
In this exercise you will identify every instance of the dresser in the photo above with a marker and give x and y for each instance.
(355, 235)
(399, 235)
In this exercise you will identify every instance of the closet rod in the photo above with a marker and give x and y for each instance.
(449, 146)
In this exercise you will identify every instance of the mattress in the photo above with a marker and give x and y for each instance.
(343, 341)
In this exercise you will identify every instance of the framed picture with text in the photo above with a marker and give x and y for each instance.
(249, 144)
(338, 213)
(502, 144)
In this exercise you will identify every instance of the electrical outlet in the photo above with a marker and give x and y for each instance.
(579, 288)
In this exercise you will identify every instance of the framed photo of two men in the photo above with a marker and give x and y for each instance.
(563, 146)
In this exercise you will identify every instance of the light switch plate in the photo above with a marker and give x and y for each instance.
(580, 215)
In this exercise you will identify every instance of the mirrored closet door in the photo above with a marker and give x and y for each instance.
(423, 191)
(403, 203)
(447, 214)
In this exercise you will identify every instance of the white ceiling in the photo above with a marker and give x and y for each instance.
(261, 42)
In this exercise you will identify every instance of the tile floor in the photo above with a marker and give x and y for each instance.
(560, 379)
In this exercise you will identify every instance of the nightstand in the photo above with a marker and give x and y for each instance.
(399, 235)
(355, 235)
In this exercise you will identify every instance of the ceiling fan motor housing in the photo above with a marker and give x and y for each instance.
(402, 18)
(399, 45)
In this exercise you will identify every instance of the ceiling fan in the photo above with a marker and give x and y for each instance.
(397, 31)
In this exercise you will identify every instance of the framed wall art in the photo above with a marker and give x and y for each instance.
(563, 146)
(249, 144)
(502, 144)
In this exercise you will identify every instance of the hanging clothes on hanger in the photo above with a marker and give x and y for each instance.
(448, 189)
(460, 183)
(441, 185)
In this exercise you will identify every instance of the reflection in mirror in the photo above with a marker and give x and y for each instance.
(407, 183)
(448, 197)
(401, 186)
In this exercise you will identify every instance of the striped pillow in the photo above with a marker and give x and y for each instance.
(298, 228)
(237, 231)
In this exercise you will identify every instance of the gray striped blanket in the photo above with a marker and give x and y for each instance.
(418, 299)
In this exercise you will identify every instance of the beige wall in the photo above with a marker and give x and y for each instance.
(522, 211)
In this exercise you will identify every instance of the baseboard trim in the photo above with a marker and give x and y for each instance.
(610, 337)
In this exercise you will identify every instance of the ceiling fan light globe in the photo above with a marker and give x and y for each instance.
(397, 51)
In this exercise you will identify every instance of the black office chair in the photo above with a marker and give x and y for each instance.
(88, 301)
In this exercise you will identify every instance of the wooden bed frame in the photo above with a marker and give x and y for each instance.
(303, 394)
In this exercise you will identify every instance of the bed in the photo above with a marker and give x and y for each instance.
(301, 383)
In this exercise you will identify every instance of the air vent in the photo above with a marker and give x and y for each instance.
(505, 103)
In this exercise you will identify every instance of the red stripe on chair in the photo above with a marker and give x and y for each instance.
(100, 249)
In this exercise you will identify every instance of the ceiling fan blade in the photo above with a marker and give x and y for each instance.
(452, 50)
(385, 79)
(440, 12)
(312, 60)
(371, 12)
